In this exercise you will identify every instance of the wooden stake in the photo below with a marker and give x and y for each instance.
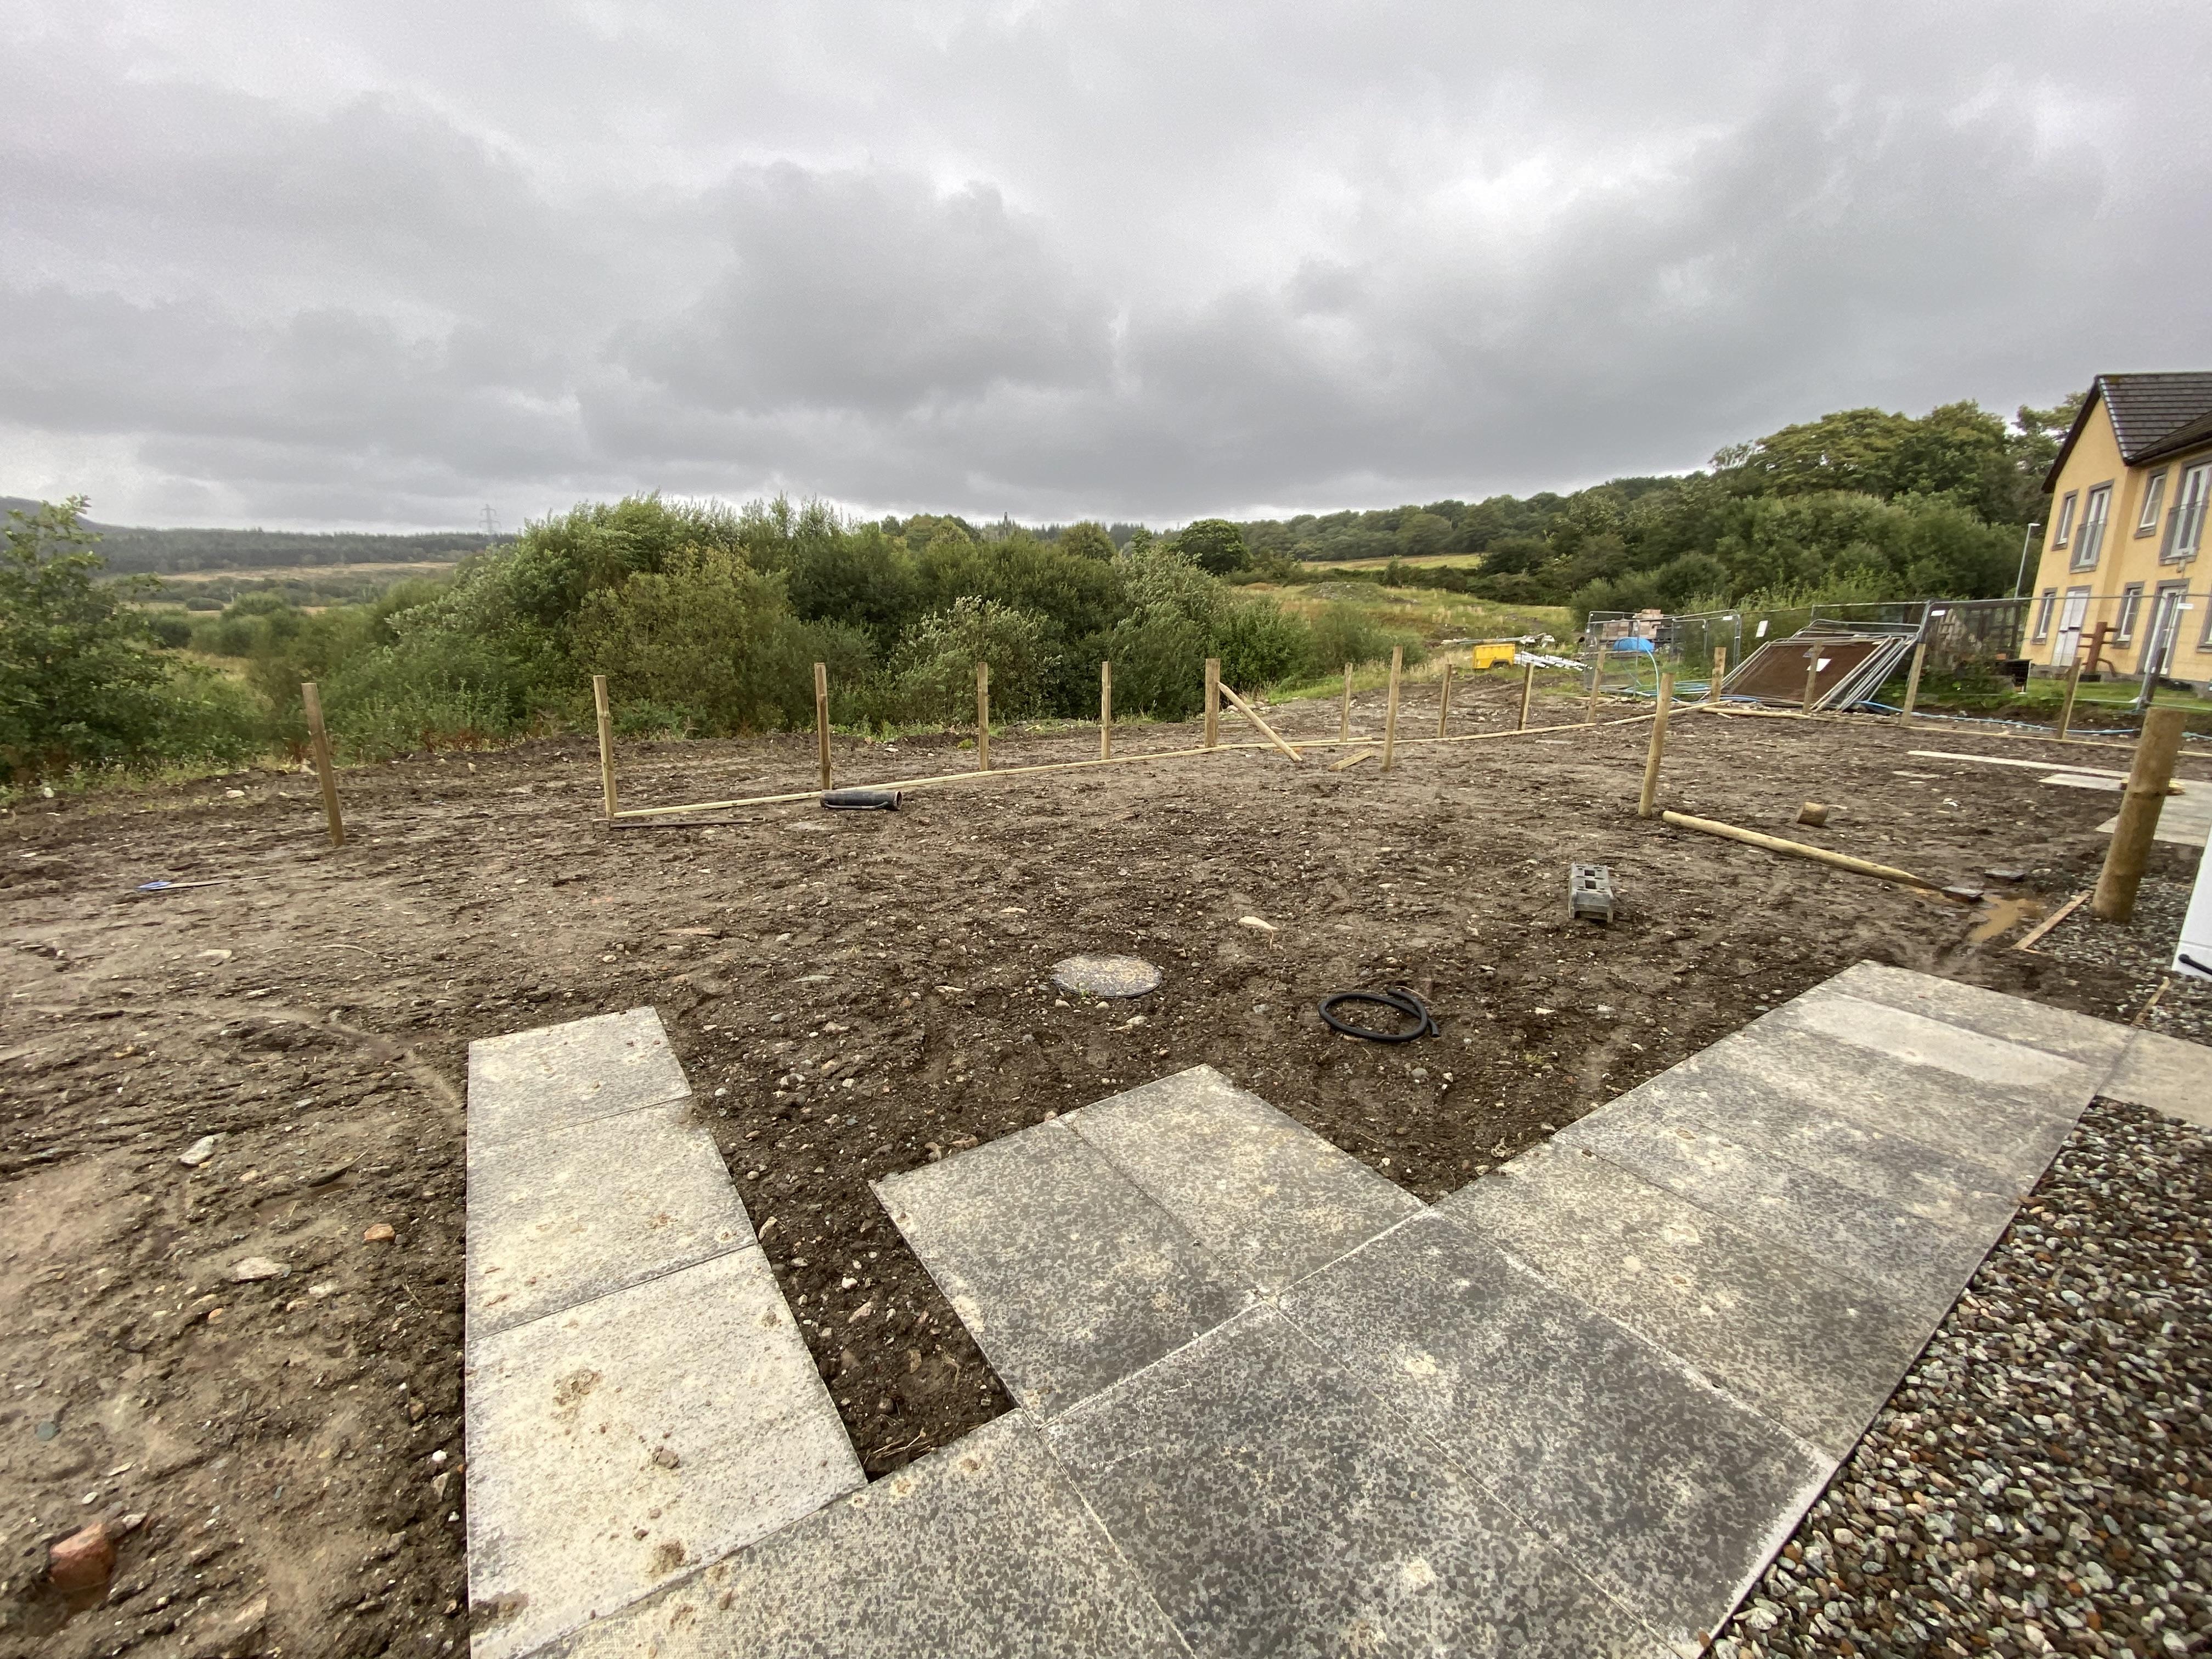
(320, 741)
(1443, 708)
(1350, 761)
(2050, 921)
(1527, 690)
(1212, 701)
(2148, 781)
(1344, 713)
(605, 711)
(1651, 756)
(1597, 680)
(1799, 849)
(1105, 710)
(1912, 683)
(2073, 684)
(822, 719)
(1719, 673)
(1812, 677)
(1253, 715)
(982, 717)
(1390, 713)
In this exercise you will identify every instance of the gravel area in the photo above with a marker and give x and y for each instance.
(2132, 961)
(2041, 1481)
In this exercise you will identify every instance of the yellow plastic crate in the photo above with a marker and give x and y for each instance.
(1495, 656)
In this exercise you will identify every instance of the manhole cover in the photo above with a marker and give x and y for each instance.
(1106, 976)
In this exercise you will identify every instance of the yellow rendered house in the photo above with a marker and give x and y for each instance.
(2122, 584)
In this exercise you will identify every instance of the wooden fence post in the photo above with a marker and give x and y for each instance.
(2148, 779)
(1344, 713)
(1912, 683)
(1444, 708)
(1527, 690)
(1597, 681)
(822, 719)
(1812, 679)
(606, 714)
(320, 741)
(1105, 711)
(2073, 684)
(1719, 673)
(982, 717)
(1212, 701)
(1651, 791)
(1390, 712)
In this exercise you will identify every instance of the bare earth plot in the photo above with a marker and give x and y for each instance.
(865, 990)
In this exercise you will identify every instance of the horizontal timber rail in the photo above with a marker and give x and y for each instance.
(637, 814)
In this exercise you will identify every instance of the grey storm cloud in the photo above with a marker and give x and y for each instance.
(381, 264)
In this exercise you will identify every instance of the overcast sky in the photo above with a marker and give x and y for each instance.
(332, 262)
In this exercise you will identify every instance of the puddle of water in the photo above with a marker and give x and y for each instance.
(2001, 915)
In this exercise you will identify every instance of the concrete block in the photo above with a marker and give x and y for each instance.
(1068, 1276)
(1919, 1040)
(1911, 1263)
(2166, 1074)
(2061, 1032)
(1274, 1509)
(615, 1444)
(982, 1548)
(1262, 1192)
(1816, 1352)
(559, 1218)
(1666, 1491)
(527, 1081)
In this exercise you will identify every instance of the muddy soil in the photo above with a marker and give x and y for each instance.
(851, 995)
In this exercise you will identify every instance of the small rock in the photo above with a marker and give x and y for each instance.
(233, 794)
(2006, 875)
(215, 956)
(380, 1233)
(1260, 923)
(320, 1291)
(199, 1152)
(1812, 812)
(665, 1458)
(83, 1561)
(254, 1268)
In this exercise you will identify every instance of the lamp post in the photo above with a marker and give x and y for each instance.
(2019, 583)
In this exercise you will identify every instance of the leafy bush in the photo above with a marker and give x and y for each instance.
(934, 673)
(1344, 635)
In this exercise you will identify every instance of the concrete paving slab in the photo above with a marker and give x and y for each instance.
(2166, 1074)
(981, 1549)
(1262, 1192)
(1669, 1492)
(1275, 1509)
(1816, 1352)
(1915, 1265)
(557, 1218)
(528, 1082)
(616, 1443)
(1068, 1276)
(2061, 1032)
(2010, 1131)
(1708, 1091)
(1917, 1040)
(2183, 819)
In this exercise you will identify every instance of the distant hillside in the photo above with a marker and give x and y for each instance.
(129, 549)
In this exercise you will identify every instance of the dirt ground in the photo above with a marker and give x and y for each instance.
(851, 994)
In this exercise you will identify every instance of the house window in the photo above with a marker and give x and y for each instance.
(2153, 497)
(2124, 626)
(2184, 524)
(2043, 609)
(2091, 542)
(2071, 619)
(2204, 636)
(2063, 526)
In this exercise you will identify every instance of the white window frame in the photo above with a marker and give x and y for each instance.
(2096, 512)
(2124, 624)
(2163, 638)
(2154, 498)
(2044, 605)
(2062, 525)
(2071, 615)
(2184, 520)
(2205, 637)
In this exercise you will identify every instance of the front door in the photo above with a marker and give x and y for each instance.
(2069, 626)
(2165, 613)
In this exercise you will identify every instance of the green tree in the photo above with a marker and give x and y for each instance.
(1087, 540)
(1215, 546)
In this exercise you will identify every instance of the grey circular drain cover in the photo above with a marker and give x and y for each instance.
(1106, 976)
